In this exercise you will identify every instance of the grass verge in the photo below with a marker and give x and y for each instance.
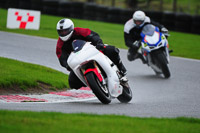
(184, 44)
(23, 121)
(26, 75)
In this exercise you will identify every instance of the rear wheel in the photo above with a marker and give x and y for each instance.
(126, 95)
(101, 92)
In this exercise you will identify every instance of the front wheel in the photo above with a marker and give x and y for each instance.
(126, 95)
(101, 92)
(162, 63)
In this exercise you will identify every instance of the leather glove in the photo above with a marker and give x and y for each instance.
(100, 46)
(165, 31)
(136, 44)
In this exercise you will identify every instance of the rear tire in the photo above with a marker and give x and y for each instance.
(126, 95)
(97, 88)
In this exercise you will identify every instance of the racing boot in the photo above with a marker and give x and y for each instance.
(123, 72)
(132, 54)
(122, 68)
(142, 58)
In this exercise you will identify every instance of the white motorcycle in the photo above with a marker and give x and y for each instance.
(99, 73)
(155, 50)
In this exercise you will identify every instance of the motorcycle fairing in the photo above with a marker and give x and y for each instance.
(90, 53)
(95, 72)
(152, 39)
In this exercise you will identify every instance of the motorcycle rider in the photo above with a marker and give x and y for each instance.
(67, 34)
(132, 30)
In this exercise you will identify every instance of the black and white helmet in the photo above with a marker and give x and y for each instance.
(65, 28)
(139, 18)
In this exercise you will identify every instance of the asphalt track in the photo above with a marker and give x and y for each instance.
(153, 96)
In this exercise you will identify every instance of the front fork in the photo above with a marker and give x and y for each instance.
(167, 54)
(95, 69)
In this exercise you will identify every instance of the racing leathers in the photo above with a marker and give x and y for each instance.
(132, 36)
(64, 48)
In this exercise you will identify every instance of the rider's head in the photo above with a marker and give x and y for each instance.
(138, 18)
(65, 28)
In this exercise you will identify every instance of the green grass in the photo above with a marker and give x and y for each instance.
(23, 122)
(27, 75)
(184, 44)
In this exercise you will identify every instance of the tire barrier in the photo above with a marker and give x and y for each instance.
(183, 22)
(50, 7)
(168, 20)
(89, 11)
(154, 15)
(114, 15)
(12, 4)
(173, 21)
(195, 27)
(77, 9)
(2, 3)
(125, 15)
(37, 5)
(64, 9)
(25, 4)
(101, 13)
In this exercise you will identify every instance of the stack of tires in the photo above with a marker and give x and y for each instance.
(90, 11)
(155, 16)
(183, 22)
(71, 9)
(64, 9)
(101, 13)
(125, 15)
(77, 9)
(12, 4)
(195, 27)
(37, 5)
(2, 3)
(168, 20)
(114, 15)
(25, 4)
(50, 7)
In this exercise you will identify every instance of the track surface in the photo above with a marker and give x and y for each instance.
(152, 95)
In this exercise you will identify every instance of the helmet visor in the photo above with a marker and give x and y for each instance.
(65, 32)
(138, 22)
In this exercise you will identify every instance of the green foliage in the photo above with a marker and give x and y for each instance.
(27, 75)
(23, 121)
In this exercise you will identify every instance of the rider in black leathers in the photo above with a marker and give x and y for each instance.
(132, 30)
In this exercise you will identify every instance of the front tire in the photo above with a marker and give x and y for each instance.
(102, 93)
(162, 63)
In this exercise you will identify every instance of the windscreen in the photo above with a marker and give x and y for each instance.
(148, 29)
(78, 45)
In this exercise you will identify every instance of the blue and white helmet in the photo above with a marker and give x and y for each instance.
(139, 18)
(65, 28)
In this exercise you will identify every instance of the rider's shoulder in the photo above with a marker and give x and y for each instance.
(82, 31)
(128, 26)
(77, 29)
(147, 19)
